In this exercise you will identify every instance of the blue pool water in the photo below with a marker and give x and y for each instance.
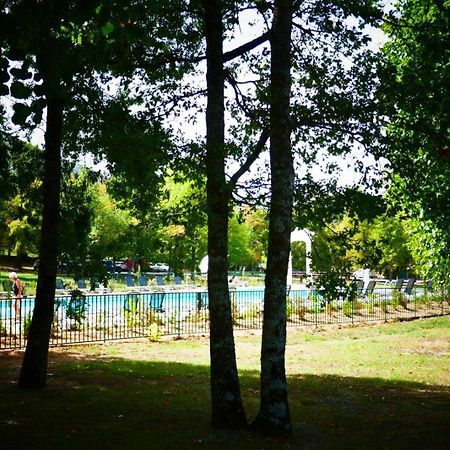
(167, 300)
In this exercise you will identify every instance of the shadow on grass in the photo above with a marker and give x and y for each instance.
(114, 403)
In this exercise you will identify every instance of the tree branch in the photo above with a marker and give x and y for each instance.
(252, 157)
(239, 51)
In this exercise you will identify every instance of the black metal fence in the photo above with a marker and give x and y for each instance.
(95, 317)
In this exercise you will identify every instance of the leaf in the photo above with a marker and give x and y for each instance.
(21, 113)
(21, 74)
(4, 63)
(39, 90)
(4, 89)
(4, 76)
(19, 90)
(107, 28)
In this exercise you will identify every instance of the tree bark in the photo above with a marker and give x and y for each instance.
(34, 368)
(273, 417)
(226, 402)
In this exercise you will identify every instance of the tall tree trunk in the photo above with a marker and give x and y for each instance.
(35, 362)
(227, 408)
(274, 416)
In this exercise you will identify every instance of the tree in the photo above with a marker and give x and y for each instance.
(416, 102)
(240, 243)
(181, 213)
(227, 408)
(274, 415)
(77, 213)
(49, 54)
(21, 196)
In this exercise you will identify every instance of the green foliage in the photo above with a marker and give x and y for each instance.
(181, 234)
(398, 298)
(294, 307)
(239, 243)
(429, 247)
(20, 196)
(137, 314)
(415, 92)
(27, 324)
(154, 333)
(113, 229)
(76, 308)
(332, 286)
(383, 245)
(347, 308)
(131, 310)
(77, 211)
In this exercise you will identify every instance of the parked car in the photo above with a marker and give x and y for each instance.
(110, 266)
(120, 266)
(159, 267)
(61, 268)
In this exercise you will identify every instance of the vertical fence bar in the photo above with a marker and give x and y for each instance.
(179, 315)
(385, 307)
(316, 310)
(353, 311)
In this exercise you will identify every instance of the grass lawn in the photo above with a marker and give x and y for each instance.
(368, 387)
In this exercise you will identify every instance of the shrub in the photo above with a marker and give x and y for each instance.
(76, 308)
(153, 332)
(399, 299)
(2, 328)
(295, 307)
(27, 324)
(347, 308)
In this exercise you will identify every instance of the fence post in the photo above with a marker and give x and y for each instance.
(104, 296)
(316, 310)
(353, 310)
(385, 305)
(179, 314)
(415, 307)
(20, 322)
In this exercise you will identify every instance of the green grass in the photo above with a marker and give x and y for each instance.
(367, 387)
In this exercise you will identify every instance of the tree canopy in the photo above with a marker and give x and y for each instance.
(416, 98)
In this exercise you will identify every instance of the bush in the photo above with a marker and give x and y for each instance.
(153, 332)
(27, 325)
(347, 308)
(76, 308)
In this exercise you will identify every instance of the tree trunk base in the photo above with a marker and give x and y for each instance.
(232, 420)
(269, 427)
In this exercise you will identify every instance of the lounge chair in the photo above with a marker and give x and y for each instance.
(81, 284)
(6, 288)
(409, 286)
(179, 283)
(160, 280)
(398, 285)
(129, 281)
(156, 301)
(359, 286)
(59, 287)
(369, 288)
(142, 283)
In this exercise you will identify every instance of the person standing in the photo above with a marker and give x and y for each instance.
(17, 288)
